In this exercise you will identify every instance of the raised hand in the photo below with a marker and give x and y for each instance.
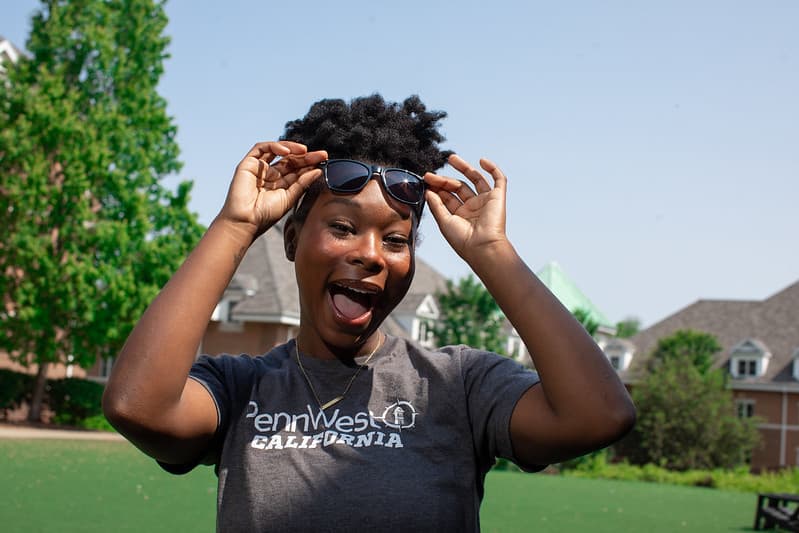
(262, 190)
(471, 219)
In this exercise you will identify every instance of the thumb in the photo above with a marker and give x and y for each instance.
(300, 186)
(437, 207)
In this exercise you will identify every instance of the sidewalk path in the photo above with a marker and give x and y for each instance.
(10, 431)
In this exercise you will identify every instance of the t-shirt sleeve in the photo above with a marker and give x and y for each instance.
(228, 380)
(493, 385)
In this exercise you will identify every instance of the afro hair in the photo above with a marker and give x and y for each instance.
(373, 130)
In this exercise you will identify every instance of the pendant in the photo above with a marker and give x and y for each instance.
(332, 402)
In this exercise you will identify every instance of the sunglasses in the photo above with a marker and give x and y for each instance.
(349, 177)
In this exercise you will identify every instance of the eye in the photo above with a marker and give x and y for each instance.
(341, 228)
(396, 241)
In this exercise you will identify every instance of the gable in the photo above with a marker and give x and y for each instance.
(428, 308)
(751, 347)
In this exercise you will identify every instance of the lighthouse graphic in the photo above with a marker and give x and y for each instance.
(399, 415)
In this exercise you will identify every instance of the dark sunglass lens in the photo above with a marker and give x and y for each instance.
(404, 186)
(347, 176)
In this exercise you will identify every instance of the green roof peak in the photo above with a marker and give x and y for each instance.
(556, 280)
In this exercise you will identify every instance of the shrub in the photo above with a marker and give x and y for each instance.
(74, 400)
(96, 422)
(590, 462)
(14, 389)
(739, 479)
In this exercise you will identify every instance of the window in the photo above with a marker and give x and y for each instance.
(105, 366)
(749, 359)
(424, 332)
(745, 408)
(747, 367)
(619, 353)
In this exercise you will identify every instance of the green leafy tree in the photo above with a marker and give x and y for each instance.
(693, 348)
(584, 317)
(628, 327)
(469, 315)
(686, 414)
(90, 232)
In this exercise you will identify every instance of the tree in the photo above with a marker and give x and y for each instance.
(693, 348)
(686, 414)
(469, 315)
(583, 316)
(90, 232)
(628, 327)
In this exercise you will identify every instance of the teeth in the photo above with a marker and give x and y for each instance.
(368, 291)
(359, 291)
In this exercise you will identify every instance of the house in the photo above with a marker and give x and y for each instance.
(561, 285)
(260, 307)
(760, 351)
(9, 54)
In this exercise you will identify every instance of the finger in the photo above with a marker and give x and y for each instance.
(449, 200)
(267, 148)
(446, 183)
(270, 150)
(437, 208)
(310, 159)
(471, 173)
(294, 147)
(258, 168)
(304, 180)
(500, 180)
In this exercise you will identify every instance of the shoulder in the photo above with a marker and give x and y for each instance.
(460, 357)
(242, 365)
(414, 351)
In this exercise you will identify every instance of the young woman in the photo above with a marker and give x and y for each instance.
(346, 428)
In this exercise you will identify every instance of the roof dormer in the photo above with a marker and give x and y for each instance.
(619, 352)
(428, 308)
(426, 313)
(749, 359)
(796, 364)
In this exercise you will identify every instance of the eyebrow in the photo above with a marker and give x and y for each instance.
(349, 201)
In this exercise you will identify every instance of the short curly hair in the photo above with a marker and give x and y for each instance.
(371, 130)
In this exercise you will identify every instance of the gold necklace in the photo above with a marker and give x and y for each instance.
(340, 397)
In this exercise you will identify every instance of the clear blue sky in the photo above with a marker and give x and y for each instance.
(652, 148)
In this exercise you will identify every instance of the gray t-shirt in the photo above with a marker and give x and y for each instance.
(407, 449)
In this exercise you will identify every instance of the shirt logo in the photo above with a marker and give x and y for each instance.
(399, 415)
(315, 428)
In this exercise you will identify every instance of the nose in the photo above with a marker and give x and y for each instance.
(367, 253)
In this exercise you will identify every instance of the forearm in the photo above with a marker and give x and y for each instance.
(150, 372)
(577, 381)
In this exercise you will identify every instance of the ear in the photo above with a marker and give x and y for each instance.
(290, 234)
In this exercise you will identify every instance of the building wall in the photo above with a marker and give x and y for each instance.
(779, 429)
(56, 371)
(253, 338)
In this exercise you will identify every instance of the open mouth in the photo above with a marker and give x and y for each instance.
(353, 300)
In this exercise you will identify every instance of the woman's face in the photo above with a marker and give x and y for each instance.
(354, 262)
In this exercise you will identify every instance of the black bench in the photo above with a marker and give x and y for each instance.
(781, 510)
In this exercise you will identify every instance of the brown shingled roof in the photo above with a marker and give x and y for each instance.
(773, 322)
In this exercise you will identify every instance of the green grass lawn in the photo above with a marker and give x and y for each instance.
(540, 503)
(109, 486)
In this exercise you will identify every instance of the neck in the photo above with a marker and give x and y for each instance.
(313, 346)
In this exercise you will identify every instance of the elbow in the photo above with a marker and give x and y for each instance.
(119, 412)
(620, 421)
(113, 408)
